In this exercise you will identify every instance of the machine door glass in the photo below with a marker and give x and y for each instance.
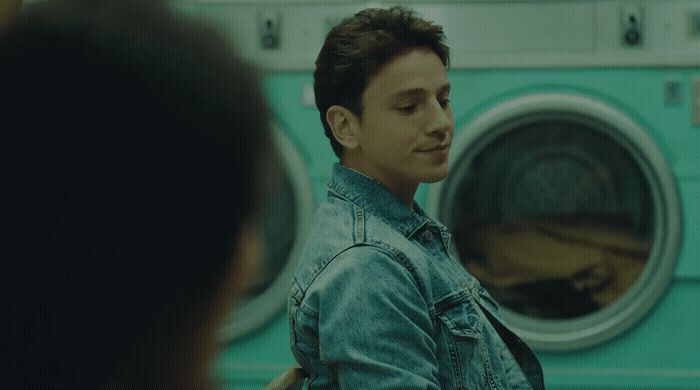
(566, 212)
(555, 218)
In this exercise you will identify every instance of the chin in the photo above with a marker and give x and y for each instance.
(435, 176)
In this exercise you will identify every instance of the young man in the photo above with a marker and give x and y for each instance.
(377, 302)
(132, 144)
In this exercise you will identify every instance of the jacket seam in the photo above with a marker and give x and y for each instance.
(393, 253)
(406, 234)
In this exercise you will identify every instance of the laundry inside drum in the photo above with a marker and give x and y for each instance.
(554, 218)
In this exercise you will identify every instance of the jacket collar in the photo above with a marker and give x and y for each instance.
(377, 200)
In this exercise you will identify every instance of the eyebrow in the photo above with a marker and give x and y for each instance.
(418, 91)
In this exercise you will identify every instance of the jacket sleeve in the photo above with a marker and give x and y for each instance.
(375, 329)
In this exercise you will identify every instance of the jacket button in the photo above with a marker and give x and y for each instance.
(428, 236)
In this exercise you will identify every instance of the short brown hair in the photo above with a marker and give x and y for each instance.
(357, 48)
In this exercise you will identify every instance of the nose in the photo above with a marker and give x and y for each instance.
(441, 120)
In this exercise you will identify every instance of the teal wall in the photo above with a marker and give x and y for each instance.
(661, 350)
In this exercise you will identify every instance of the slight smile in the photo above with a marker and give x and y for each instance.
(436, 148)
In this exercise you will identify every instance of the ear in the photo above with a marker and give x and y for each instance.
(344, 125)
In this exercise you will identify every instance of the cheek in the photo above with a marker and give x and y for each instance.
(405, 131)
(384, 135)
(393, 138)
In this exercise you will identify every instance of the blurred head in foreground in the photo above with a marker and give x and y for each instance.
(9, 9)
(130, 145)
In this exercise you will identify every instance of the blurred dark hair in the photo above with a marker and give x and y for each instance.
(131, 140)
(357, 48)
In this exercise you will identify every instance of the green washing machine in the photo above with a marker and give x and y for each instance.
(573, 188)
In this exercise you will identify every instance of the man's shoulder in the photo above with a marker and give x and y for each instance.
(339, 222)
(333, 224)
(348, 271)
(341, 235)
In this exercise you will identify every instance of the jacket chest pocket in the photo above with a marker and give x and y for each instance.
(462, 353)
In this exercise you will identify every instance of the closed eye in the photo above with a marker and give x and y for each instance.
(408, 109)
(444, 102)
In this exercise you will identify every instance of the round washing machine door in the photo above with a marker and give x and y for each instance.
(282, 227)
(566, 212)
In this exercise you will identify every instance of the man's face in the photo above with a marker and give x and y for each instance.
(406, 128)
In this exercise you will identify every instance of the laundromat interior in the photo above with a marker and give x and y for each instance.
(574, 119)
(579, 117)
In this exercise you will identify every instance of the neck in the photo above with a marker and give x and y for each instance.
(404, 191)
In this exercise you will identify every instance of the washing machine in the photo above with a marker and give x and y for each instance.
(573, 185)
(563, 201)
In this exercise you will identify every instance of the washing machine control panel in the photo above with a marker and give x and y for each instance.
(285, 36)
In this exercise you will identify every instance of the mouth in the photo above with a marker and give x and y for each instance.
(436, 148)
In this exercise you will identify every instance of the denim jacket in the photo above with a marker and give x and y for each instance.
(377, 302)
